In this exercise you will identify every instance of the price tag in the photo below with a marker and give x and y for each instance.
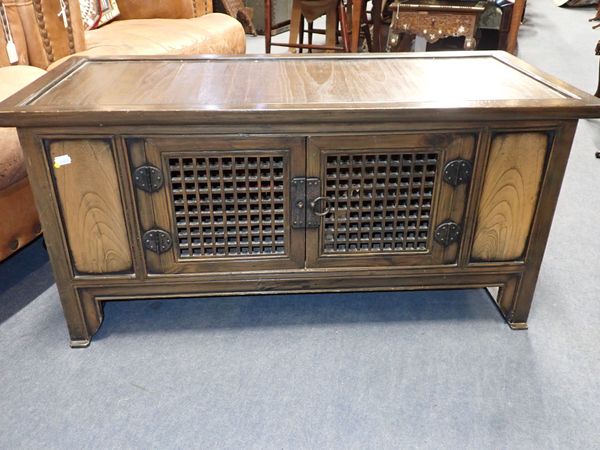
(61, 160)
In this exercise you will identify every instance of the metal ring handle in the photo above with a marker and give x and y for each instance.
(325, 211)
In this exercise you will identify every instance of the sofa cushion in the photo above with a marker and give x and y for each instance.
(13, 78)
(210, 34)
(171, 9)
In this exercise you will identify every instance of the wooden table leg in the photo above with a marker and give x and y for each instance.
(515, 24)
(267, 26)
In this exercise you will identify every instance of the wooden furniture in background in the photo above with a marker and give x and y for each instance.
(512, 16)
(434, 20)
(254, 175)
(309, 10)
(516, 19)
(350, 34)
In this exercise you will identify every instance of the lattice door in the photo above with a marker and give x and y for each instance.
(226, 206)
(223, 204)
(384, 199)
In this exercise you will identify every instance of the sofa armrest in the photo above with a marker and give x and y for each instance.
(163, 9)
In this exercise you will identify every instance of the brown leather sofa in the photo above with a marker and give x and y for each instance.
(166, 27)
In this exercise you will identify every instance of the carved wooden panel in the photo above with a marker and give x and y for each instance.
(509, 197)
(435, 26)
(88, 190)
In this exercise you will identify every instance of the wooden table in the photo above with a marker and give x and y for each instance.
(174, 177)
(435, 19)
(513, 31)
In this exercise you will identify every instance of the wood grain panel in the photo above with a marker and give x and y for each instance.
(91, 208)
(509, 196)
(292, 83)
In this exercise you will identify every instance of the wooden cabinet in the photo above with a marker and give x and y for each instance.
(200, 176)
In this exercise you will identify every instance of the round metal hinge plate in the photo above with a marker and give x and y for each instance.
(447, 232)
(157, 241)
(458, 171)
(148, 178)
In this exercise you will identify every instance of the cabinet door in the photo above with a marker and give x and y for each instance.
(388, 199)
(208, 204)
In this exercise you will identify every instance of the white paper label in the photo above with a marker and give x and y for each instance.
(61, 160)
(11, 50)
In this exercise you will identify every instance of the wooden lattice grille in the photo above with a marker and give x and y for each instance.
(379, 202)
(229, 206)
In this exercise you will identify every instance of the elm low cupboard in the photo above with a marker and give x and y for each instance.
(172, 177)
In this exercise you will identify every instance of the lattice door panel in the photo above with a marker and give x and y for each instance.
(229, 206)
(388, 200)
(217, 204)
(380, 202)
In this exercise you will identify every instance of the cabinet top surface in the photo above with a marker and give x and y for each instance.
(440, 86)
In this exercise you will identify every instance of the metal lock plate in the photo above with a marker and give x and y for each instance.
(458, 171)
(148, 178)
(157, 241)
(447, 232)
(305, 191)
(298, 202)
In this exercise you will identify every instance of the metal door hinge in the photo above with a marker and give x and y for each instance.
(458, 171)
(157, 241)
(148, 178)
(307, 204)
(447, 232)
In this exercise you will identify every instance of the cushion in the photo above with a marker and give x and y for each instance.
(209, 34)
(12, 79)
(96, 13)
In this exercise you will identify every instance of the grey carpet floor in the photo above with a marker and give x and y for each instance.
(423, 370)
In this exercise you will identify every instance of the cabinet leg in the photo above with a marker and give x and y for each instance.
(514, 303)
(83, 315)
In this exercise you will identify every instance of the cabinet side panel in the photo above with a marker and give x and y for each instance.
(88, 190)
(509, 196)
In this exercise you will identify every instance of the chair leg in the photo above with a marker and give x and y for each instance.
(301, 36)
(344, 26)
(311, 26)
(331, 28)
(295, 24)
(267, 26)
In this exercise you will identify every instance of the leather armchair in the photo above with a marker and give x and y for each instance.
(165, 27)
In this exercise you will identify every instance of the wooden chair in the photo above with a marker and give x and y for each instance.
(333, 10)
